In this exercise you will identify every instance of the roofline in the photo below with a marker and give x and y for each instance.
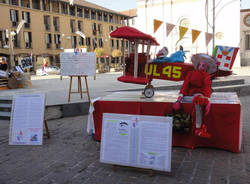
(103, 9)
(244, 10)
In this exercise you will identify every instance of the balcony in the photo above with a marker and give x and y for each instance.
(14, 24)
(28, 45)
(48, 45)
(58, 46)
(26, 25)
(47, 27)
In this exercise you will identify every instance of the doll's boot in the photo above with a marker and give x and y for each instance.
(202, 132)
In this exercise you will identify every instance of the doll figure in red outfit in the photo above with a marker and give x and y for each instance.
(196, 89)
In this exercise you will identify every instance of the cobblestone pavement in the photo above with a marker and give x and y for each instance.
(72, 157)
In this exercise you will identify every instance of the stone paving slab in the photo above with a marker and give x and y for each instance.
(72, 157)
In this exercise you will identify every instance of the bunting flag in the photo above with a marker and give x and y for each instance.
(209, 37)
(195, 34)
(183, 31)
(169, 27)
(157, 24)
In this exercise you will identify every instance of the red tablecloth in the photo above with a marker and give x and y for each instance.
(223, 122)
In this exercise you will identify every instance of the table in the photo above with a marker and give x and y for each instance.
(223, 121)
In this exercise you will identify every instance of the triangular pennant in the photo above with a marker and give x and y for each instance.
(209, 37)
(195, 34)
(183, 31)
(169, 27)
(157, 24)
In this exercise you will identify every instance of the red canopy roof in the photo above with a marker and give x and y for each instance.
(133, 35)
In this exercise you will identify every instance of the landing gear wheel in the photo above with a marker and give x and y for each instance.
(149, 91)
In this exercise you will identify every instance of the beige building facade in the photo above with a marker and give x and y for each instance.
(50, 27)
(245, 37)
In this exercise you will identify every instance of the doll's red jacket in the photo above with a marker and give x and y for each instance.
(197, 82)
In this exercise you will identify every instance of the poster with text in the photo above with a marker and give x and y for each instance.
(137, 141)
(78, 63)
(27, 116)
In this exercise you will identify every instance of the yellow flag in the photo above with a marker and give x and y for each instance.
(157, 24)
(183, 31)
(195, 34)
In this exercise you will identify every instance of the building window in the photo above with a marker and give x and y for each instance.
(93, 14)
(72, 10)
(94, 28)
(73, 41)
(117, 44)
(86, 13)
(27, 39)
(99, 14)
(99, 29)
(105, 17)
(14, 17)
(56, 23)
(46, 5)
(55, 6)
(79, 12)
(88, 43)
(57, 40)
(64, 8)
(79, 23)
(112, 44)
(248, 42)
(94, 42)
(36, 4)
(111, 20)
(116, 19)
(111, 28)
(73, 26)
(13, 2)
(100, 43)
(122, 20)
(133, 21)
(122, 44)
(4, 41)
(47, 22)
(48, 41)
(1, 39)
(25, 3)
(26, 17)
(81, 41)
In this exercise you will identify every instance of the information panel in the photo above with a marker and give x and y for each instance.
(27, 116)
(26, 62)
(78, 63)
(137, 141)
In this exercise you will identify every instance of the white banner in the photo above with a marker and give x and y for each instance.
(27, 116)
(78, 63)
(137, 140)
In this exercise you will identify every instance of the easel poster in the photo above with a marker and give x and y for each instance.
(78, 63)
(137, 141)
(27, 116)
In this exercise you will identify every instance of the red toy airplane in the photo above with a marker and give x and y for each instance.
(137, 69)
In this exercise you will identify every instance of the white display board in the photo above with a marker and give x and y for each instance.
(3, 73)
(78, 63)
(137, 141)
(27, 116)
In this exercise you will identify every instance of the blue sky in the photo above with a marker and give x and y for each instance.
(245, 4)
(117, 5)
(120, 5)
